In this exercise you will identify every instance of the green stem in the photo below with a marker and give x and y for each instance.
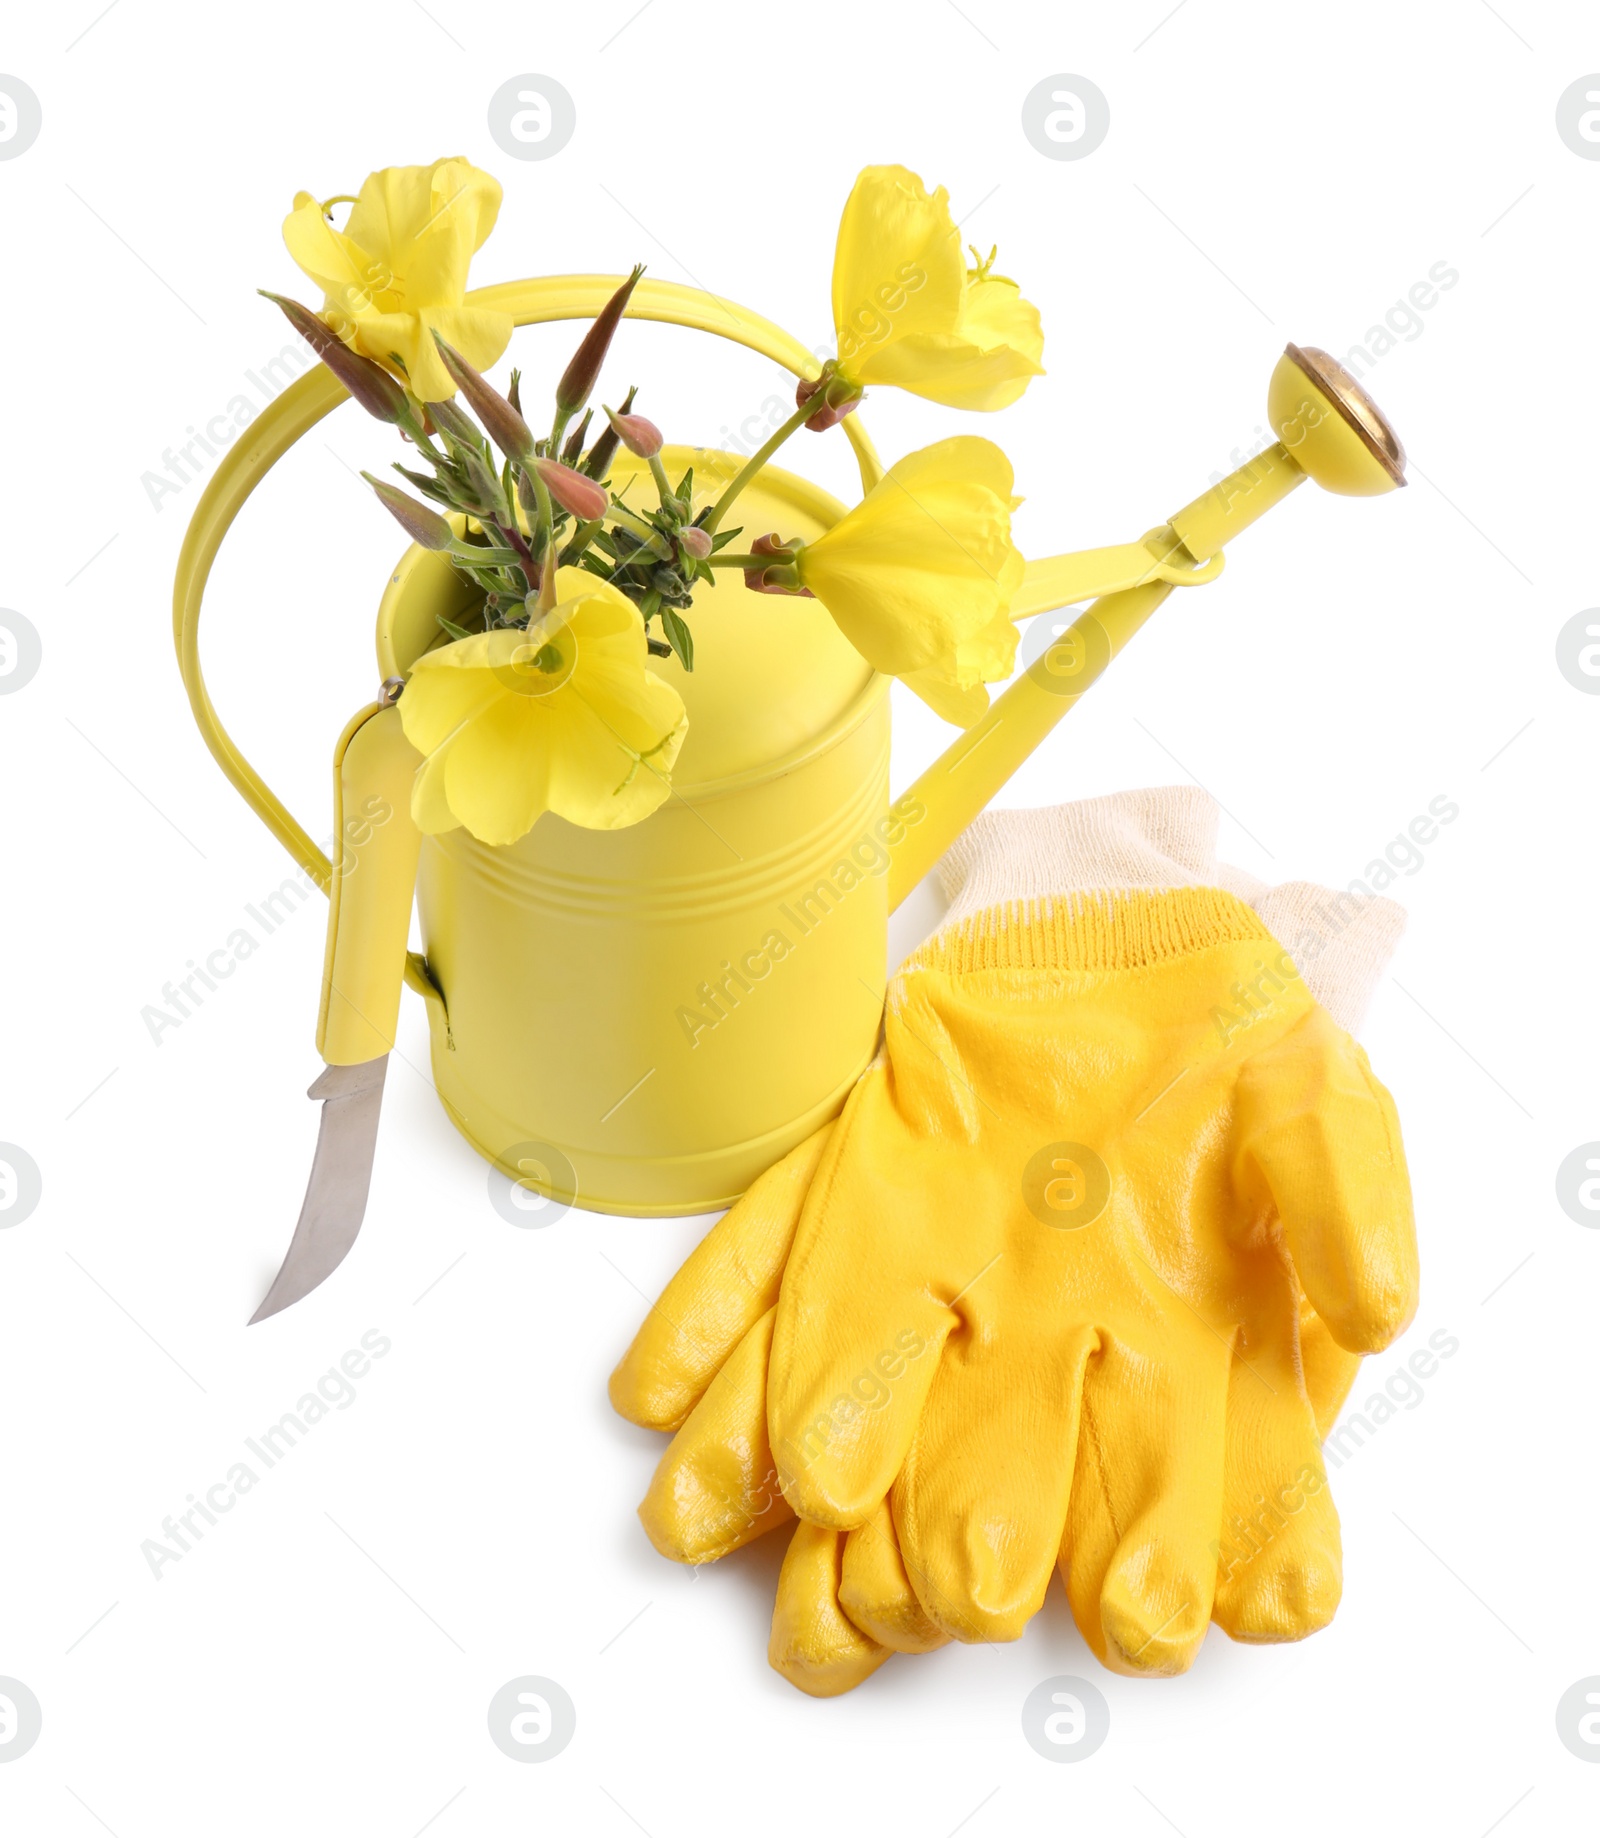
(580, 539)
(412, 425)
(727, 560)
(558, 427)
(513, 539)
(545, 534)
(760, 457)
(652, 538)
(659, 473)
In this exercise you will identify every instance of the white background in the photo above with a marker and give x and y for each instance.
(324, 1660)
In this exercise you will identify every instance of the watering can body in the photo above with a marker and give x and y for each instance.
(645, 1018)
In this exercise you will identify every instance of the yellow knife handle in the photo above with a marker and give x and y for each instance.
(374, 857)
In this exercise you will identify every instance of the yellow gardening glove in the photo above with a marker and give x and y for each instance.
(717, 1507)
(844, 1599)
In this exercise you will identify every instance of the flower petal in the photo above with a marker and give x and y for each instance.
(598, 780)
(481, 336)
(590, 734)
(961, 707)
(426, 223)
(445, 690)
(430, 807)
(497, 772)
(921, 573)
(898, 270)
(954, 372)
(994, 313)
(338, 265)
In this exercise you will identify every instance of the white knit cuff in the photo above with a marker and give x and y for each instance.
(1152, 840)
(1341, 943)
(1163, 838)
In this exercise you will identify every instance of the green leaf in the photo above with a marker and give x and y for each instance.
(678, 636)
(723, 538)
(686, 487)
(428, 486)
(455, 631)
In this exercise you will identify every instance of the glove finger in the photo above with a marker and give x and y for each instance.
(981, 1504)
(715, 1488)
(726, 1285)
(860, 1323)
(814, 1644)
(1142, 1523)
(1328, 1369)
(1280, 1567)
(876, 1593)
(1318, 1139)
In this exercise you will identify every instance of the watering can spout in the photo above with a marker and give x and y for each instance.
(1329, 429)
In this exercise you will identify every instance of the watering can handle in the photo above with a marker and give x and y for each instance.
(305, 402)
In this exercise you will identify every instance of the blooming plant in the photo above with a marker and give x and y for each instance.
(542, 699)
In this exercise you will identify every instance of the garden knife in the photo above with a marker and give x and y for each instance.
(374, 858)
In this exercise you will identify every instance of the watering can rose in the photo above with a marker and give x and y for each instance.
(397, 273)
(907, 310)
(920, 575)
(562, 716)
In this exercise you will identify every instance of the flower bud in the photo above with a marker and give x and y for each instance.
(454, 421)
(696, 542)
(572, 452)
(639, 436)
(579, 496)
(366, 382)
(506, 428)
(422, 524)
(580, 376)
(485, 486)
(780, 576)
(528, 498)
(598, 464)
(841, 398)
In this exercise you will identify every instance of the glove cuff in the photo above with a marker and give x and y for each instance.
(1014, 865)
(1151, 841)
(1341, 943)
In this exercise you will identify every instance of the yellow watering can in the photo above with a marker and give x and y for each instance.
(644, 1019)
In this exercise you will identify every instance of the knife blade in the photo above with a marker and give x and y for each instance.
(341, 1175)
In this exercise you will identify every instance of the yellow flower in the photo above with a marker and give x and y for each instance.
(919, 576)
(909, 312)
(562, 717)
(397, 272)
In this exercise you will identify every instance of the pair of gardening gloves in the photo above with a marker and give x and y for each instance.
(1079, 1278)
